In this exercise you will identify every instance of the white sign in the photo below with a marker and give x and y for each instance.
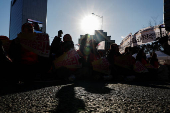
(101, 45)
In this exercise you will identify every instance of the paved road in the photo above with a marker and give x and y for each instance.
(85, 96)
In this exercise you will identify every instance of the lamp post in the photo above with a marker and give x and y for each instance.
(99, 17)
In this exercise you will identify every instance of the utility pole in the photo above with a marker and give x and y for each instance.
(101, 18)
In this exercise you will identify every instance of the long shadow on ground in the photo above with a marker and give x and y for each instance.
(68, 103)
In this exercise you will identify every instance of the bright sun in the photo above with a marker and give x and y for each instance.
(90, 23)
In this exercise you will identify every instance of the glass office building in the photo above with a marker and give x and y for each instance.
(24, 11)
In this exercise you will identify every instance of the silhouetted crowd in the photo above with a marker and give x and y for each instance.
(20, 64)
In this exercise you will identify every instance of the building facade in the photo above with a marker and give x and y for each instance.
(100, 36)
(22, 11)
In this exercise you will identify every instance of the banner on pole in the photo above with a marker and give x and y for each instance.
(143, 36)
(149, 34)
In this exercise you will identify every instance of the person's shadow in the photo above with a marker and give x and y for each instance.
(68, 103)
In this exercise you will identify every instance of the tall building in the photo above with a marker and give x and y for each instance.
(24, 11)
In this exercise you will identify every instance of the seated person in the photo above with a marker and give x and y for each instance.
(141, 56)
(25, 61)
(154, 61)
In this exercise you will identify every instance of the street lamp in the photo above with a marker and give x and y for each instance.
(99, 17)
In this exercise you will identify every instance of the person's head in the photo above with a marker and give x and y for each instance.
(60, 32)
(142, 53)
(154, 55)
(67, 37)
(36, 26)
(93, 43)
(27, 28)
(126, 49)
(131, 50)
(114, 47)
(84, 45)
(84, 41)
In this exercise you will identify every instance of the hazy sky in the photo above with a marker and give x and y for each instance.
(120, 17)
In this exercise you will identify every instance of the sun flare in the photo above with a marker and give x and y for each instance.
(90, 23)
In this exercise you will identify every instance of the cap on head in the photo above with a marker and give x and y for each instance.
(113, 46)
